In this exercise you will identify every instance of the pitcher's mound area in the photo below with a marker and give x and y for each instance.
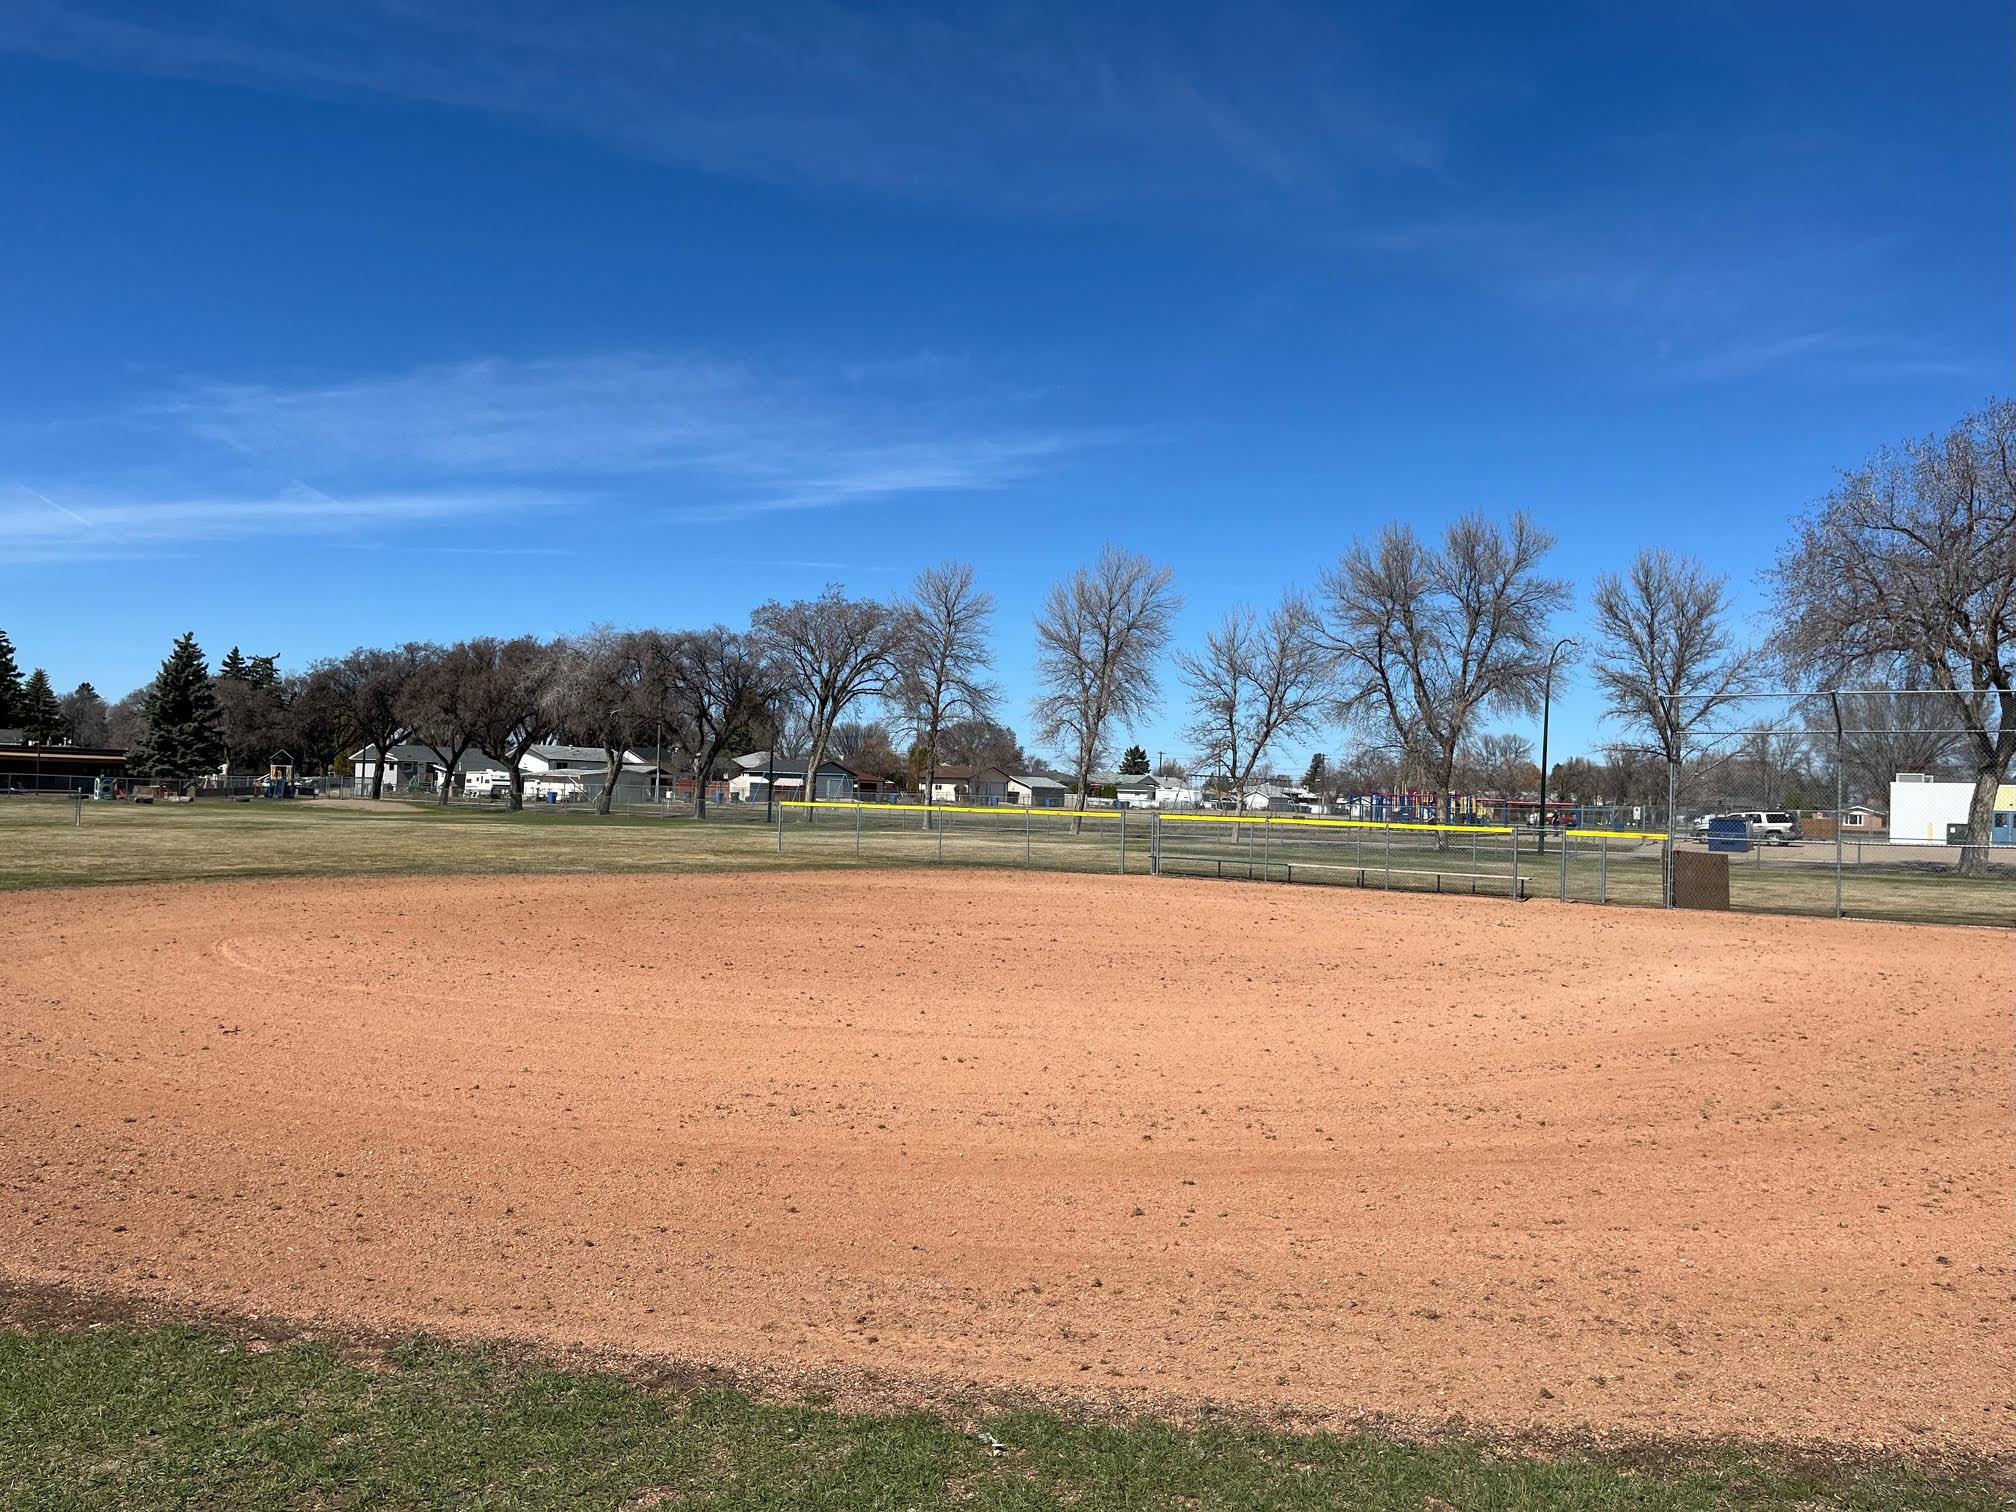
(1423, 1157)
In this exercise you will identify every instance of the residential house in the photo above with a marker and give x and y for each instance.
(1128, 791)
(1032, 790)
(1861, 822)
(752, 783)
(964, 785)
(414, 768)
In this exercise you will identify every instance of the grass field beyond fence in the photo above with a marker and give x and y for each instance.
(185, 1417)
(53, 843)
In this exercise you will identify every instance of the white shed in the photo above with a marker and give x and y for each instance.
(1920, 809)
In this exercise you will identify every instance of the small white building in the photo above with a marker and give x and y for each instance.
(1920, 809)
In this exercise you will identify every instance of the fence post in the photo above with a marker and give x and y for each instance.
(1834, 697)
(857, 830)
(1564, 865)
(1123, 838)
(1388, 831)
(1603, 870)
(1028, 817)
(939, 825)
(1512, 828)
(1666, 850)
(1155, 845)
(1266, 854)
(780, 826)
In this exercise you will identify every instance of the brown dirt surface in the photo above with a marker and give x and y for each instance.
(1538, 1168)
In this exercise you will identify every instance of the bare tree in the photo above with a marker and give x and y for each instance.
(318, 721)
(608, 690)
(438, 705)
(1430, 639)
(509, 710)
(126, 720)
(370, 683)
(252, 713)
(1887, 731)
(1665, 656)
(981, 743)
(85, 716)
(833, 651)
(1909, 566)
(1500, 763)
(942, 658)
(721, 689)
(1256, 682)
(1098, 638)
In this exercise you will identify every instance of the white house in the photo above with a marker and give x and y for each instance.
(958, 784)
(564, 774)
(1175, 792)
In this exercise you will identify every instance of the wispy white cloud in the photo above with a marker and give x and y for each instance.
(1001, 104)
(670, 437)
(106, 525)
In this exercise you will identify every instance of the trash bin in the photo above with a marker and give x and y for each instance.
(1730, 836)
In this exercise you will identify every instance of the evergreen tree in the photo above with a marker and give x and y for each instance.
(41, 715)
(183, 738)
(1134, 763)
(10, 685)
(1318, 774)
(256, 671)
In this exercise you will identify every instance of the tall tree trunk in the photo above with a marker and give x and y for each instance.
(515, 803)
(703, 768)
(607, 796)
(1980, 822)
(384, 745)
(810, 792)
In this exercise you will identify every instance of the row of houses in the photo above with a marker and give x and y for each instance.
(563, 773)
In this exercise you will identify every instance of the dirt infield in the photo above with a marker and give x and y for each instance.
(1536, 1166)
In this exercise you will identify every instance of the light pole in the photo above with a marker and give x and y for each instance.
(1546, 708)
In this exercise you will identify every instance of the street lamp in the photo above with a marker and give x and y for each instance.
(1546, 708)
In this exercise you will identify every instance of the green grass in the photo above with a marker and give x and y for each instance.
(214, 840)
(184, 1417)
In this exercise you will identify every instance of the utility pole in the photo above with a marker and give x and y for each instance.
(1546, 709)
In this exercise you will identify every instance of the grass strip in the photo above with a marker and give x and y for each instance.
(181, 1416)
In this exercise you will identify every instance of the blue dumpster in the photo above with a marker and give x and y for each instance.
(1728, 835)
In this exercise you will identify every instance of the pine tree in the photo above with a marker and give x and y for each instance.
(41, 715)
(1134, 763)
(1318, 773)
(184, 738)
(256, 671)
(10, 686)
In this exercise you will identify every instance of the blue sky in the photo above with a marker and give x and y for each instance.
(327, 324)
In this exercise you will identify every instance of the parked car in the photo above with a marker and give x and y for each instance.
(1764, 826)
